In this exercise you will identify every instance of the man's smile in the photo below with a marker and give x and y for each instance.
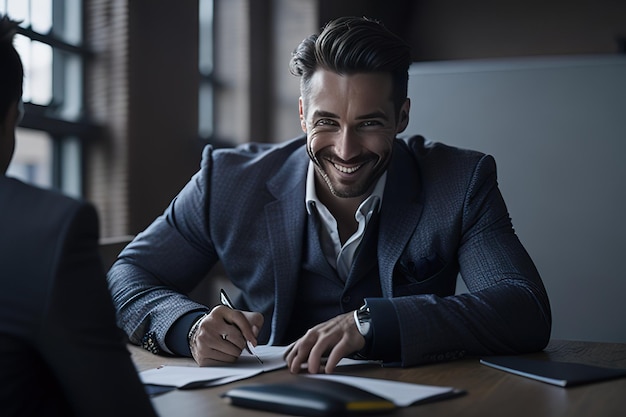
(345, 169)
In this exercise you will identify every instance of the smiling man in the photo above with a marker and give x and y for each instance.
(345, 242)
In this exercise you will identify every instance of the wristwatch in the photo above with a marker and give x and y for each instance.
(363, 320)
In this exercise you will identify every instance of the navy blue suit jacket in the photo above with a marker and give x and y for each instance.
(442, 214)
(61, 352)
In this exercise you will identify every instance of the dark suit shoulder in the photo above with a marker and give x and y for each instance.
(445, 170)
(27, 199)
(256, 152)
(253, 164)
(35, 222)
(424, 148)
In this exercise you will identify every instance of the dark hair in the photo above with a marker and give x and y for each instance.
(11, 69)
(350, 45)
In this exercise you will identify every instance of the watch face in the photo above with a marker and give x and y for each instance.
(364, 327)
(363, 320)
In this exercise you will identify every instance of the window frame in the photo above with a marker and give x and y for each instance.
(66, 134)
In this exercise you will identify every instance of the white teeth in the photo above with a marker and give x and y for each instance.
(346, 170)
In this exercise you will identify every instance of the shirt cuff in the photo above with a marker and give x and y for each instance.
(385, 330)
(176, 337)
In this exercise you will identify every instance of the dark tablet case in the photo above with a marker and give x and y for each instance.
(564, 374)
(308, 397)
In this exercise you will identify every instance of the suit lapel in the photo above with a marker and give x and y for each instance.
(286, 217)
(400, 213)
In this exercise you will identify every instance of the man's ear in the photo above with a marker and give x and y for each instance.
(403, 116)
(301, 112)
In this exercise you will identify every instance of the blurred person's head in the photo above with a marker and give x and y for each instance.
(11, 77)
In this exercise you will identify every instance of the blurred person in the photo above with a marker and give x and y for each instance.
(346, 241)
(61, 352)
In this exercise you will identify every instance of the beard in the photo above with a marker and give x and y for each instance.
(370, 170)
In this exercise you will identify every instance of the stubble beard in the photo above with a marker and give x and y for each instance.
(357, 190)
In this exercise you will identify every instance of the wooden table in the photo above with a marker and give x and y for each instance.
(490, 392)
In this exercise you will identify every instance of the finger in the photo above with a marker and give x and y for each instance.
(295, 359)
(212, 357)
(238, 319)
(314, 359)
(205, 354)
(319, 351)
(220, 343)
(215, 338)
(233, 335)
(256, 320)
(215, 326)
(340, 351)
(288, 351)
(300, 354)
(225, 320)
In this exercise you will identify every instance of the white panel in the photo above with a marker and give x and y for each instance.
(557, 128)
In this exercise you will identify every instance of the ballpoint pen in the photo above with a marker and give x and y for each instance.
(225, 300)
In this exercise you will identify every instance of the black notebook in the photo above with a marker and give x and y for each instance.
(308, 397)
(564, 374)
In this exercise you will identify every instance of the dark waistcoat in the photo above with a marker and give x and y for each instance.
(321, 293)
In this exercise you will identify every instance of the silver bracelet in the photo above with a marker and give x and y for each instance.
(194, 328)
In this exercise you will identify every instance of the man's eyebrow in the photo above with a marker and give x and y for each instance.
(323, 113)
(374, 115)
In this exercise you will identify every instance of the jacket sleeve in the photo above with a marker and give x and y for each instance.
(507, 309)
(167, 260)
(78, 338)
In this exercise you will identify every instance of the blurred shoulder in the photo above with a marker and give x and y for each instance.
(19, 199)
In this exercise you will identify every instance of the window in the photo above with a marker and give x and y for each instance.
(50, 137)
(205, 66)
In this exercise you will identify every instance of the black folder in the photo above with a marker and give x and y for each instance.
(564, 374)
(308, 397)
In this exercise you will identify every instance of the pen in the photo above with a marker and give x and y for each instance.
(226, 301)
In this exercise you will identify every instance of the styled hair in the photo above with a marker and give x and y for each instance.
(11, 69)
(350, 45)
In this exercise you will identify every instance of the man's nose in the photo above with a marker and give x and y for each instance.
(348, 144)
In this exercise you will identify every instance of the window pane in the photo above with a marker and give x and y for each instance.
(41, 15)
(206, 37)
(32, 161)
(71, 172)
(68, 90)
(37, 61)
(18, 10)
(71, 30)
(205, 110)
(40, 73)
(22, 45)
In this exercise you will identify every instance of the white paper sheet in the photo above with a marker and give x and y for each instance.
(402, 394)
(246, 366)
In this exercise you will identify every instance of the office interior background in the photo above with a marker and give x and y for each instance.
(122, 95)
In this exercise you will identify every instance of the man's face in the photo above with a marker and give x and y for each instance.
(351, 124)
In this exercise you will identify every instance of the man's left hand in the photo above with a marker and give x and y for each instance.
(334, 339)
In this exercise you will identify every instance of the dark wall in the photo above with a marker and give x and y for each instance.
(164, 150)
(396, 15)
(164, 147)
(460, 29)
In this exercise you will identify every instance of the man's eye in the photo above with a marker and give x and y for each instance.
(371, 123)
(325, 122)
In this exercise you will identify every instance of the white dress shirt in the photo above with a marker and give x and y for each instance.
(338, 256)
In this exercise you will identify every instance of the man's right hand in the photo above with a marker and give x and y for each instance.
(222, 335)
